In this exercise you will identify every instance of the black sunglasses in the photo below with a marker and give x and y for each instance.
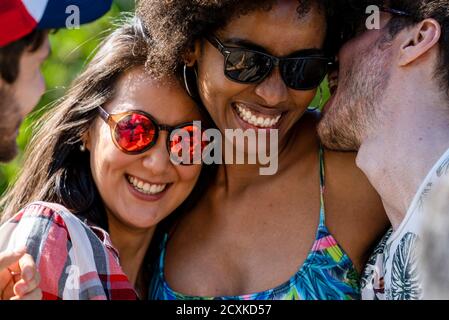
(250, 66)
(135, 132)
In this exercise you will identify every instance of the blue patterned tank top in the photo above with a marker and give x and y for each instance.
(326, 274)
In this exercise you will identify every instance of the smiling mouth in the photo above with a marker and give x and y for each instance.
(256, 119)
(145, 187)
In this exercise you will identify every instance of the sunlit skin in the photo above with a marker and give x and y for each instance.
(30, 85)
(18, 99)
(132, 216)
(357, 86)
(393, 128)
(271, 97)
(251, 233)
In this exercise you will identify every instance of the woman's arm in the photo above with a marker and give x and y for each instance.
(354, 211)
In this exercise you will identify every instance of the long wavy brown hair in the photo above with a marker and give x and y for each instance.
(54, 168)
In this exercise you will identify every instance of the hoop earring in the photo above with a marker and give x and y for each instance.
(187, 75)
(320, 89)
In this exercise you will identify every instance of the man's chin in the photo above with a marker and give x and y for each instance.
(329, 104)
(333, 133)
(327, 123)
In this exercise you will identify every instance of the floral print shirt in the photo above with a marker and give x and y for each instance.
(393, 272)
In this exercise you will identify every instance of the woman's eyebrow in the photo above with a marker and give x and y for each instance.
(244, 43)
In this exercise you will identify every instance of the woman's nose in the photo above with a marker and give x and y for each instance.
(157, 159)
(273, 89)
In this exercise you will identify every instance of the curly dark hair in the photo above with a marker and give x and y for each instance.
(175, 25)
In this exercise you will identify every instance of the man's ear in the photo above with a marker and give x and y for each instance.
(419, 40)
(193, 54)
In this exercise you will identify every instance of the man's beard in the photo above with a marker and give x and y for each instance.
(354, 114)
(10, 120)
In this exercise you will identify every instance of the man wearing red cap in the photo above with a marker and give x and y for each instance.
(24, 46)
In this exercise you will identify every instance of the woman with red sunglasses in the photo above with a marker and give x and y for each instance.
(101, 161)
(303, 233)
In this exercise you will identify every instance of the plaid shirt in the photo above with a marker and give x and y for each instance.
(75, 261)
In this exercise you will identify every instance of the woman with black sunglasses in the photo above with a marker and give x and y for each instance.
(303, 233)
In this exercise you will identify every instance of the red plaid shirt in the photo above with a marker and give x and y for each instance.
(75, 261)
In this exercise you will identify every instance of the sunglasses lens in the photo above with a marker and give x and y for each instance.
(186, 145)
(247, 66)
(134, 132)
(304, 73)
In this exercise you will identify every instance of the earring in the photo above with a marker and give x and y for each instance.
(187, 77)
(320, 89)
(83, 147)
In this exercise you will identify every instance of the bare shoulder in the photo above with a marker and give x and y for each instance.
(354, 211)
(347, 181)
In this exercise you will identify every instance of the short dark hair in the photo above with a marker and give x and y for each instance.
(176, 25)
(11, 53)
(418, 11)
(425, 9)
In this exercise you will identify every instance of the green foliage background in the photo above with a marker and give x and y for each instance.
(71, 50)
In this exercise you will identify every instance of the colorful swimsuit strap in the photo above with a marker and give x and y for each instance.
(327, 272)
(322, 187)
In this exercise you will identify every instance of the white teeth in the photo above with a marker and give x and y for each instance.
(261, 122)
(145, 187)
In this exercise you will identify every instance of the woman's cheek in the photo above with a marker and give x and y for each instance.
(188, 175)
(107, 161)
